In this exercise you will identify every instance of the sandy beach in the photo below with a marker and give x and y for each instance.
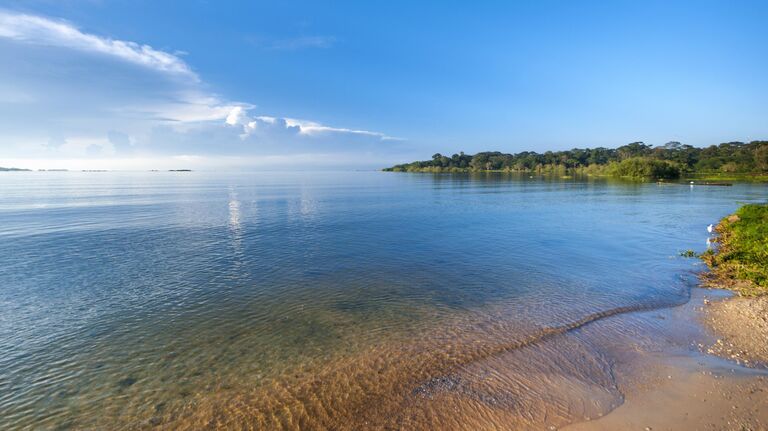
(723, 386)
(742, 324)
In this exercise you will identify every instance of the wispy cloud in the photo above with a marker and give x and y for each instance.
(43, 31)
(312, 128)
(239, 117)
(107, 107)
(293, 43)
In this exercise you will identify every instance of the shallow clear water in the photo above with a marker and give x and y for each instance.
(320, 300)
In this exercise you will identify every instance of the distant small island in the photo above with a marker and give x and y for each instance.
(635, 160)
(2, 169)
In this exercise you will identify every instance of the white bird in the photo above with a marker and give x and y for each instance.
(710, 228)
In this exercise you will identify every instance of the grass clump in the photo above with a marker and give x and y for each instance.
(740, 261)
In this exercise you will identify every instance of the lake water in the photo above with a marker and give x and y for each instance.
(333, 300)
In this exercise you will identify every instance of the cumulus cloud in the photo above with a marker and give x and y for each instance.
(237, 116)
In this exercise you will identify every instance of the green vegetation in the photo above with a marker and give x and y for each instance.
(636, 160)
(721, 177)
(740, 261)
(2, 169)
(688, 253)
(644, 167)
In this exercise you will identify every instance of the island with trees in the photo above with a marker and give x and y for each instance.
(748, 160)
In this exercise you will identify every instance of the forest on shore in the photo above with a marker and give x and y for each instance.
(635, 160)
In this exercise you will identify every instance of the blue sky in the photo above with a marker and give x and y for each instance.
(148, 84)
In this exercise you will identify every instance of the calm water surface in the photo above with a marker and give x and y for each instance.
(323, 300)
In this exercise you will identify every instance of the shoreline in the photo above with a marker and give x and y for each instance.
(738, 263)
(712, 387)
(724, 384)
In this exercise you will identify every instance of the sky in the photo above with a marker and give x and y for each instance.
(98, 84)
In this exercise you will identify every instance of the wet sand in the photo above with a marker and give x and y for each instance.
(635, 370)
(684, 393)
(629, 368)
(725, 387)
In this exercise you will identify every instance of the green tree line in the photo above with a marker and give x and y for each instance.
(636, 159)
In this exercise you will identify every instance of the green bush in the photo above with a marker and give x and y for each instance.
(644, 167)
(741, 257)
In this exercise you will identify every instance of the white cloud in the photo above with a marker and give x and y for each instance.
(238, 116)
(194, 107)
(312, 128)
(77, 95)
(43, 31)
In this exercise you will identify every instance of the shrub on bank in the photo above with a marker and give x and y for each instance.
(644, 167)
(741, 257)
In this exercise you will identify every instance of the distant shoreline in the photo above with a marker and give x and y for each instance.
(636, 160)
(88, 170)
(700, 178)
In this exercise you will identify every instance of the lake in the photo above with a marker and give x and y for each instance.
(333, 300)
